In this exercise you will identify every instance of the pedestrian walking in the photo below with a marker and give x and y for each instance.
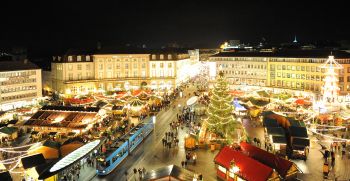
(182, 164)
(126, 175)
(144, 170)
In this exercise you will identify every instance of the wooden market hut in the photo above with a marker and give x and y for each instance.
(277, 137)
(285, 168)
(249, 168)
(190, 142)
(9, 132)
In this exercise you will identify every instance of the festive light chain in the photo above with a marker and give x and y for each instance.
(329, 126)
(10, 151)
(331, 137)
(18, 147)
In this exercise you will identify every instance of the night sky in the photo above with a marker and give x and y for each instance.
(48, 26)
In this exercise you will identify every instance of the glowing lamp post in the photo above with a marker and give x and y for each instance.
(154, 119)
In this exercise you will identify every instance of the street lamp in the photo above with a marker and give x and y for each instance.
(154, 124)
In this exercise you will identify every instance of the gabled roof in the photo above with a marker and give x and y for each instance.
(250, 169)
(52, 144)
(296, 123)
(300, 143)
(5, 176)
(275, 131)
(268, 122)
(279, 164)
(33, 161)
(279, 139)
(17, 65)
(68, 108)
(172, 171)
(298, 132)
(8, 130)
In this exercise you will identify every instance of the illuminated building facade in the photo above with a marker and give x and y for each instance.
(111, 69)
(289, 69)
(242, 70)
(20, 83)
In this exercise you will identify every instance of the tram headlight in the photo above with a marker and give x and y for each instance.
(103, 171)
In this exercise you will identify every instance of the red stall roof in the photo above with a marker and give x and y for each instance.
(279, 164)
(250, 169)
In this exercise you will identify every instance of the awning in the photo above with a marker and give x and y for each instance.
(70, 159)
(172, 171)
(75, 155)
(33, 161)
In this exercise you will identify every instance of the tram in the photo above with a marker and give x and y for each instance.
(122, 147)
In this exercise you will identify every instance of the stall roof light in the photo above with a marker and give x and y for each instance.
(74, 156)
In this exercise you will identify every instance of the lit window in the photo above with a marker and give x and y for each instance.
(161, 65)
(161, 56)
(170, 65)
(153, 57)
(78, 58)
(70, 58)
(153, 65)
(88, 58)
(79, 67)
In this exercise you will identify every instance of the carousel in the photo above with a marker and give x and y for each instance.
(136, 107)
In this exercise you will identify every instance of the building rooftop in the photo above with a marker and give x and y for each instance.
(135, 50)
(321, 53)
(17, 65)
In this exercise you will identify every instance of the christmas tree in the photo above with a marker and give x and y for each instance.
(220, 120)
(330, 88)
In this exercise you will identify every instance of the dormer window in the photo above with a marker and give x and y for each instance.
(78, 58)
(161, 56)
(88, 58)
(170, 57)
(153, 57)
(70, 58)
(54, 58)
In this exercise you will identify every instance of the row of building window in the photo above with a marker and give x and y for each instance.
(249, 73)
(17, 89)
(122, 60)
(296, 85)
(18, 81)
(161, 65)
(250, 59)
(249, 66)
(110, 66)
(17, 74)
(297, 76)
(298, 68)
(19, 96)
(70, 58)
